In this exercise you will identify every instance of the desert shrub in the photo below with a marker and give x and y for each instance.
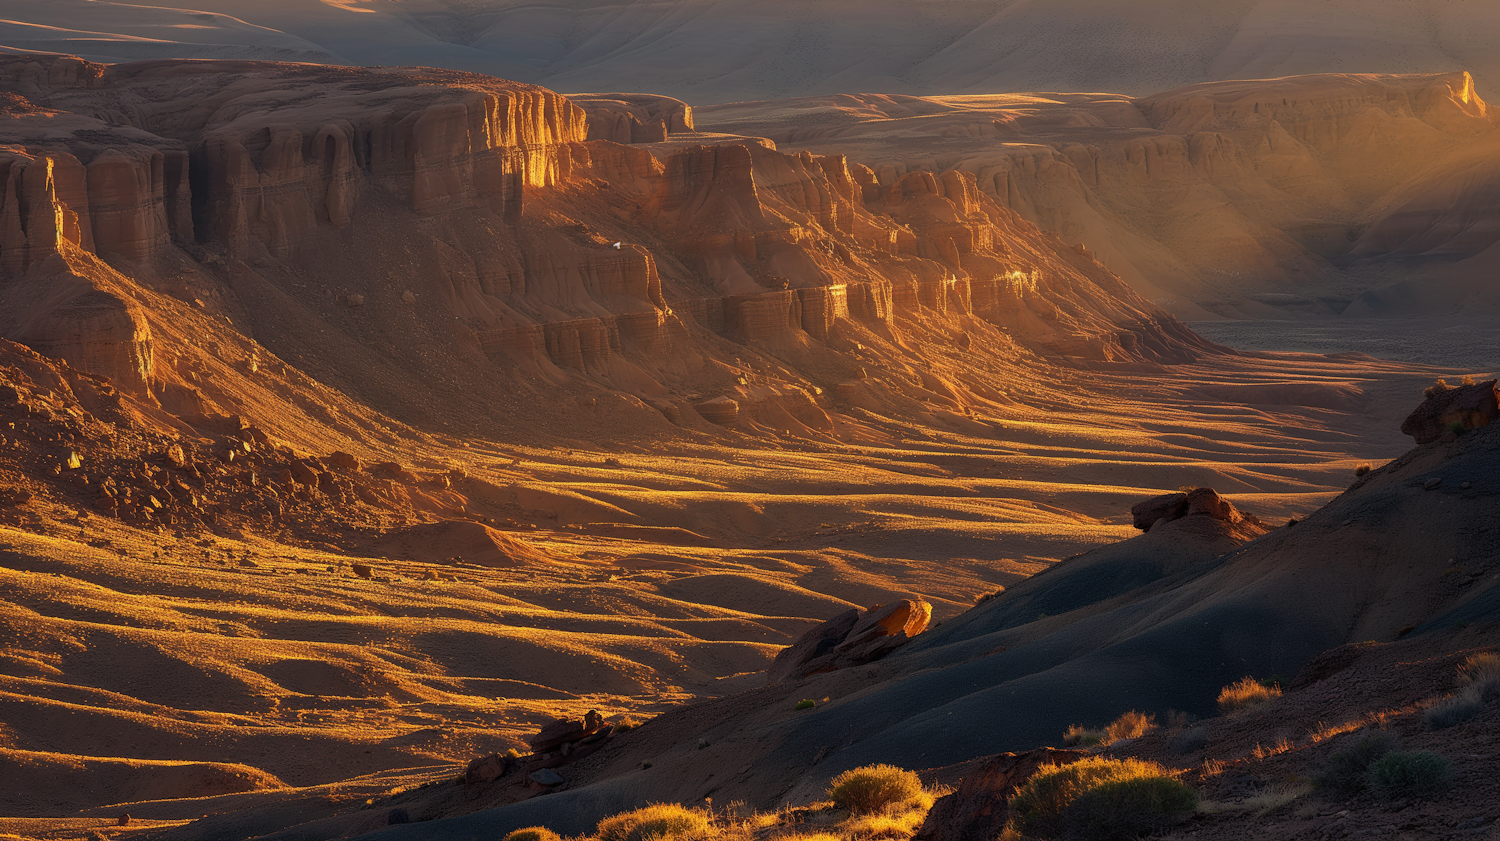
(1190, 741)
(1454, 709)
(1131, 725)
(1467, 380)
(874, 788)
(1363, 469)
(1244, 693)
(1077, 735)
(625, 724)
(1039, 807)
(1437, 387)
(663, 821)
(1126, 809)
(1482, 670)
(1401, 774)
(1344, 772)
(533, 833)
(805, 704)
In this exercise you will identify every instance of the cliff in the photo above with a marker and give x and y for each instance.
(504, 234)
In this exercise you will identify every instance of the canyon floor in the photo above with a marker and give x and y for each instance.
(359, 422)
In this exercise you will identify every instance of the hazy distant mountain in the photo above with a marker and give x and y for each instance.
(709, 51)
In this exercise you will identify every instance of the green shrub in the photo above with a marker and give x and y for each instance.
(1344, 772)
(805, 704)
(1402, 774)
(1126, 809)
(1454, 709)
(664, 821)
(1039, 807)
(533, 833)
(874, 788)
(1247, 692)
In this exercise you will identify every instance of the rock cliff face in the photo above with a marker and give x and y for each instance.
(1294, 182)
(538, 236)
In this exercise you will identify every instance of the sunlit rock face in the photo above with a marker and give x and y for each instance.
(1240, 198)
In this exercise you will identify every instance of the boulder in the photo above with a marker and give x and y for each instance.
(1199, 502)
(815, 643)
(979, 809)
(484, 769)
(907, 615)
(1164, 507)
(546, 777)
(1453, 409)
(176, 456)
(304, 474)
(345, 460)
(565, 731)
(852, 638)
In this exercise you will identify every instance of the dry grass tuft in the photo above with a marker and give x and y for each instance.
(1363, 469)
(1131, 725)
(1246, 693)
(1482, 670)
(533, 833)
(659, 821)
(875, 789)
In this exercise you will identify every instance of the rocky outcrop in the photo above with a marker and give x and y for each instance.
(634, 117)
(1199, 502)
(1449, 411)
(852, 638)
(979, 809)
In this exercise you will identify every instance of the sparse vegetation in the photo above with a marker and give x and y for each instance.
(1438, 387)
(1454, 709)
(1482, 670)
(1190, 741)
(1245, 693)
(1363, 469)
(805, 704)
(533, 833)
(874, 789)
(1128, 809)
(1131, 725)
(659, 821)
(1479, 677)
(1138, 793)
(1345, 771)
(1403, 774)
(1079, 736)
(626, 724)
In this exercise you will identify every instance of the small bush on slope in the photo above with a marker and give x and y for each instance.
(1246, 693)
(1345, 771)
(1402, 774)
(533, 833)
(1131, 725)
(1480, 678)
(1127, 809)
(1039, 808)
(874, 788)
(664, 821)
(1483, 671)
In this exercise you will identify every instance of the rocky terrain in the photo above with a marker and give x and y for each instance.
(1305, 197)
(359, 425)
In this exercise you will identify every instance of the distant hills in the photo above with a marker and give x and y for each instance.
(714, 51)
